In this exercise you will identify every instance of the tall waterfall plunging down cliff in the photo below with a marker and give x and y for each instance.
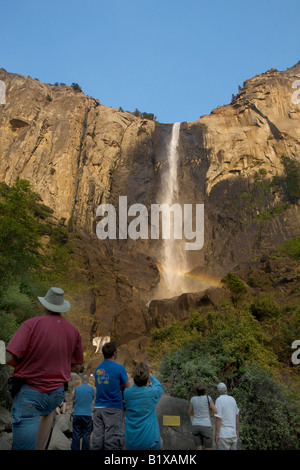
(173, 264)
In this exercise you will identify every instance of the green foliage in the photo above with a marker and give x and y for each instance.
(292, 178)
(273, 212)
(287, 331)
(25, 264)
(264, 307)
(246, 343)
(59, 235)
(231, 337)
(76, 87)
(258, 202)
(236, 338)
(149, 116)
(19, 230)
(234, 283)
(267, 419)
(184, 368)
(290, 248)
(236, 287)
(19, 301)
(8, 326)
(173, 336)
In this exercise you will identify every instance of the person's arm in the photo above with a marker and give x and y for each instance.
(237, 420)
(191, 410)
(126, 384)
(218, 425)
(213, 407)
(77, 368)
(11, 359)
(77, 359)
(156, 387)
(155, 382)
(125, 381)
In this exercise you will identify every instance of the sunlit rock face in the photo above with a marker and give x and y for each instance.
(79, 154)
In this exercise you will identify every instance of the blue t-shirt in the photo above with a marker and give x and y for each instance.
(141, 427)
(83, 400)
(109, 377)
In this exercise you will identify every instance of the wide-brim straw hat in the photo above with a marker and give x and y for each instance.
(54, 300)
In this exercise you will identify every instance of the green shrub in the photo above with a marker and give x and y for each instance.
(235, 286)
(184, 368)
(20, 248)
(292, 178)
(8, 326)
(290, 248)
(264, 307)
(237, 338)
(267, 420)
(59, 235)
(288, 330)
(20, 303)
(76, 87)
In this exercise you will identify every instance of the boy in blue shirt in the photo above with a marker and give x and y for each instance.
(110, 379)
(82, 419)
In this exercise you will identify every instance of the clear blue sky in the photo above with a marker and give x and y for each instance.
(176, 59)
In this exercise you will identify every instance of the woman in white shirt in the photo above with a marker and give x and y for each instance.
(200, 407)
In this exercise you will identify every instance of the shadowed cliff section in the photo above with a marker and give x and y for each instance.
(78, 154)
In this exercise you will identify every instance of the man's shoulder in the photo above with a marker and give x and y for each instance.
(84, 386)
(107, 364)
(32, 322)
(225, 397)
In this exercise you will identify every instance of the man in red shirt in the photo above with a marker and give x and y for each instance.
(43, 352)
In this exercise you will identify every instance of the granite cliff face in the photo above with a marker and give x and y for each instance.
(79, 154)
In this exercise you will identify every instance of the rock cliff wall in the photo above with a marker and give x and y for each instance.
(79, 154)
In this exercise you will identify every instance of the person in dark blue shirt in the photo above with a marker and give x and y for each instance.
(84, 395)
(108, 419)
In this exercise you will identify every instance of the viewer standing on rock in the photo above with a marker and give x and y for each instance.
(43, 352)
(84, 395)
(227, 420)
(141, 429)
(108, 419)
(200, 407)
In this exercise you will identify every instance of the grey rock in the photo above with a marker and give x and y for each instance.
(175, 437)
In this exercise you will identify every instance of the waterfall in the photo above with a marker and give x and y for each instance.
(173, 262)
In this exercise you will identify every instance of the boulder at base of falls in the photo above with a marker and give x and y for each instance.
(174, 424)
(164, 311)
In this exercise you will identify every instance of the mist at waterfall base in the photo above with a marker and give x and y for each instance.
(174, 271)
